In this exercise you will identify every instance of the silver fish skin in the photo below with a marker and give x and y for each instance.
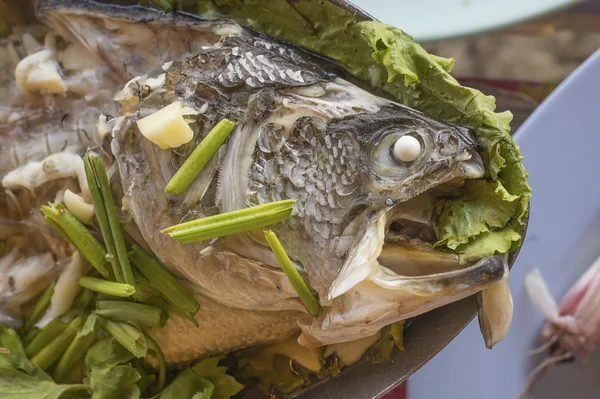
(303, 133)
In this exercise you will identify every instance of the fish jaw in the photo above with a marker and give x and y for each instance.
(386, 298)
(495, 310)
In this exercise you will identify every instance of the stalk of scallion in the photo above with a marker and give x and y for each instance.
(303, 290)
(131, 312)
(40, 307)
(107, 287)
(162, 364)
(127, 335)
(73, 355)
(55, 349)
(174, 293)
(107, 216)
(233, 222)
(198, 159)
(45, 336)
(79, 235)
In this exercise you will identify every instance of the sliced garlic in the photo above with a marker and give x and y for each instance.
(78, 207)
(166, 127)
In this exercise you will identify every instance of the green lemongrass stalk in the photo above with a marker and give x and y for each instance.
(198, 159)
(231, 222)
(73, 355)
(45, 336)
(84, 299)
(107, 216)
(30, 336)
(79, 235)
(182, 301)
(303, 290)
(135, 313)
(52, 352)
(107, 287)
(127, 335)
(40, 307)
(162, 364)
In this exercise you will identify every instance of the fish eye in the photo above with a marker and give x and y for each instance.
(406, 149)
(397, 153)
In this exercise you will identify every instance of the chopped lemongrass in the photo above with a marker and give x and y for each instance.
(303, 290)
(40, 307)
(231, 222)
(52, 352)
(136, 313)
(45, 336)
(107, 287)
(84, 299)
(106, 212)
(162, 364)
(127, 335)
(73, 355)
(198, 159)
(182, 301)
(79, 235)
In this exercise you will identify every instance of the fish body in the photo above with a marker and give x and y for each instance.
(303, 133)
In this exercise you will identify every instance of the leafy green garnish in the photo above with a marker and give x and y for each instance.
(16, 356)
(225, 385)
(15, 384)
(187, 385)
(110, 378)
(392, 337)
(272, 370)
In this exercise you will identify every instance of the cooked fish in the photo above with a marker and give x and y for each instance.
(303, 133)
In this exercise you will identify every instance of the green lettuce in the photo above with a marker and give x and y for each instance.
(392, 337)
(389, 59)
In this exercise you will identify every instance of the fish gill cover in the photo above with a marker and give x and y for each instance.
(484, 217)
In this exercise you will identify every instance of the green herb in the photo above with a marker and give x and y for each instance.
(55, 349)
(131, 312)
(107, 216)
(198, 159)
(84, 299)
(107, 287)
(392, 336)
(45, 336)
(40, 307)
(76, 350)
(79, 235)
(303, 290)
(110, 377)
(180, 299)
(127, 335)
(17, 385)
(198, 379)
(162, 364)
(16, 356)
(231, 222)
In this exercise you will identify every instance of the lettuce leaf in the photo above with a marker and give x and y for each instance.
(391, 60)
